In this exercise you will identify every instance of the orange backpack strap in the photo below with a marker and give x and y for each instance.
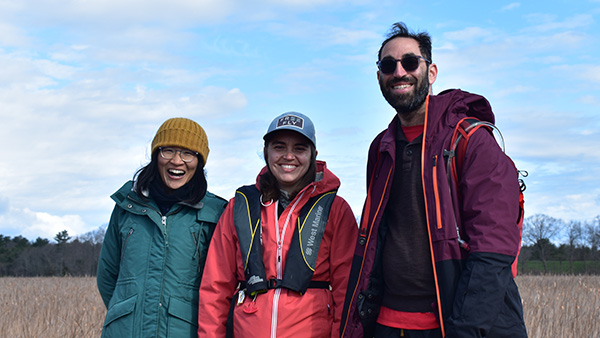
(460, 138)
(456, 156)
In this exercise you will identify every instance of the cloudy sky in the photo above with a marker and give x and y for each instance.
(84, 85)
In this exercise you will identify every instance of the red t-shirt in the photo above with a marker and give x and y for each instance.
(412, 132)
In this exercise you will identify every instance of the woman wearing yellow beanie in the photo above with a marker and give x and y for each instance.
(155, 246)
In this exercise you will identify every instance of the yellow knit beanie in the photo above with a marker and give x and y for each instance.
(183, 133)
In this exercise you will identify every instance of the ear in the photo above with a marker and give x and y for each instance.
(432, 73)
(378, 76)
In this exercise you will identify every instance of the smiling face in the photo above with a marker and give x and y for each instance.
(406, 91)
(288, 158)
(174, 172)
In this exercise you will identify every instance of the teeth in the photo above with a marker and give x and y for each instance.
(176, 172)
(287, 166)
(401, 86)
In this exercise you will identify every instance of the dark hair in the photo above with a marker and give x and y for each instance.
(399, 30)
(146, 175)
(268, 185)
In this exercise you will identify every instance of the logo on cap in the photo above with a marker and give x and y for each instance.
(290, 120)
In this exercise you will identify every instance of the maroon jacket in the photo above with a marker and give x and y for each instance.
(476, 293)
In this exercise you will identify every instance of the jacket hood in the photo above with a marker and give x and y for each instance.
(457, 103)
(446, 108)
(325, 179)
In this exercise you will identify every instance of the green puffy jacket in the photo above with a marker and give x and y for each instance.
(150, 265)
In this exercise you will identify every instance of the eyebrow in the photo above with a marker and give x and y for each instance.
(305, 144)
(403, 55)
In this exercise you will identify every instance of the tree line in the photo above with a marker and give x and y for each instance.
(66, 256)
(546, 240)
(575, 243)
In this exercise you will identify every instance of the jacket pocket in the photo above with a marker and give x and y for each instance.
(183, 318)
(120, 318)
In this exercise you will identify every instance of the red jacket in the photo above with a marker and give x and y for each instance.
(279, 312)
(476, 294)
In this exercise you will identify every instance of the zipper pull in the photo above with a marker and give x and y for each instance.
(241, 297)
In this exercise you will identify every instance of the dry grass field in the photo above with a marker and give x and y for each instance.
(53, 307)
(561, 306)
(555, 306)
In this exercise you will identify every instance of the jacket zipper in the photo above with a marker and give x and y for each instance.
(438, 214)
(163, 220)
(365, 238)
(126, 240)
(436, 193)
(280, 239)
(197, 242)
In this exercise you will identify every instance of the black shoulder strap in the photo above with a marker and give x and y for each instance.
(301, 259)
(247, 225)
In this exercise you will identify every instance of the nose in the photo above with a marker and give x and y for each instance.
(177, 159)
(288, 155)
(399, 71)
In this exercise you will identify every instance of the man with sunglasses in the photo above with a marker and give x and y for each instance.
(415, 273)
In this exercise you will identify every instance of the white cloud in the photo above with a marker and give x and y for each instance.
(590, 99)
(592, 73)
(31, 224)
(469, 35)
(110, 12)
(511, 6)
(548, 22)
(324, 34)
(583, 206)
(11, 35)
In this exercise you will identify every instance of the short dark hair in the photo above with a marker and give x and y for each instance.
(146, 176)
(399, 30)
(268, 185)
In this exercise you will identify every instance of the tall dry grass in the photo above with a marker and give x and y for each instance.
(561, 306)
(554, 306)
(53, 307)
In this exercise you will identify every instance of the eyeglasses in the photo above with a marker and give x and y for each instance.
(186, 155)
(409, 63)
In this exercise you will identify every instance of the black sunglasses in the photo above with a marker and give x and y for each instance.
(409, 63)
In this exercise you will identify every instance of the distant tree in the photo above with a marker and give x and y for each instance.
(539, 230)
(62, 237)
(574, 241)
(20, 242)
(524, 257)
(40, 242)
(94, 236)
(10, 250)
(592, 234)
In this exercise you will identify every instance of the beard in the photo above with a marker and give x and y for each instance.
(405, 104)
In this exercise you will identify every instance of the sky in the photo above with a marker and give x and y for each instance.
(84, 85)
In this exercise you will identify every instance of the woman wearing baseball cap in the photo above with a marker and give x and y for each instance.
(279, 262)
(156, 242)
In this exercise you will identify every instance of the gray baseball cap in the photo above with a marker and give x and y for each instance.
(293, 121)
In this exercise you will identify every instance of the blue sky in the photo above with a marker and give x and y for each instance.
(84, 85)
